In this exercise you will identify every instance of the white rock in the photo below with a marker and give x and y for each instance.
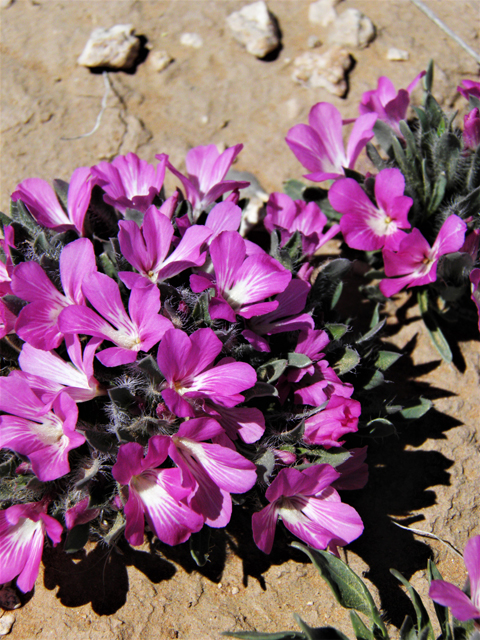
(191, 40)
(256, 196)
(115, 48)
(6, 623)
(323, 70)
(323, 12)
(159, 60)
(352, 29)
(4, 4)
(397, 54)
(256, 28)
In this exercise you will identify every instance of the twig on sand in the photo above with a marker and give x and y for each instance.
(106, 80)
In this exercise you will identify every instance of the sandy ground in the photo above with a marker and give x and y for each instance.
(427, 477)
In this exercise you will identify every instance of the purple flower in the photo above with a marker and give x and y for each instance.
(390, 106)
(471, 129)
(6, 268)
(47, 374)
(33, 430)
(22, 532)
(289, 215)
(190, 375)
(147, 248)
(339, 417)
(319, 145)
(129, 182)
(309, 507)
(215, 471)
(206, 170)
(80, 513)
(37, 323)
(139, 331)
(157, 494)
(286, 317)
(415, 261)
(470, 88)
(241, 282)
(448, 595)
(7, 320)
(367, 226)
(41, 201)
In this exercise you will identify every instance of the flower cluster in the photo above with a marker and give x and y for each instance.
(418, 217)
(159, 362)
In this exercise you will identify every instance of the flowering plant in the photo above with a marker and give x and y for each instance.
(161, 367)
(417, 220)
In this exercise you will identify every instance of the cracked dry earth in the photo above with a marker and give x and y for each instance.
(428, 477)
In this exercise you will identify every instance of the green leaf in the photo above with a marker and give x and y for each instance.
(61, 191)
(434, 331)
(384, 135)
(200, 546)
(375, 381)
(416, 409)
(349, 590)
(385, 359)
(423, 620)
(412, 150)
(337, 331)
(294, 434)
(116, 529)
(150, 367)
(427, 79)
(375, 316)
(108, 266)
(334, 457)
(294, 189)
(260, 390)
(442, 612)
(370, 334)
(200, 311)
(258, 635)
(77, 538)
(20, 214)
(375, 157)
(407, 630)
(325, 288)
(360, 629)
(319, 633)
(336, 295)
(380, 428)
(122, 397)
(347, 361)
(298, 360)
(473, 176)
(265, 465)
(272, 370)
(136, 216)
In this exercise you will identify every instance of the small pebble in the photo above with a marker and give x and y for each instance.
(191, 40)
(323, 12)
(6, 623)
(352, 29)
(159, 60)
(235, 590)
(4, 4)
(114, 48)
(397, 54)
(314, 42)
(256, 28)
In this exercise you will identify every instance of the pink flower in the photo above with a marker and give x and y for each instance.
(391, 107)
(415, 261)
(367, 226)
(286, 317)
(448, 595)
(22, 532)
(319, 145)
(309, 507)
(32, 430)
(7, 320)
(475, 281)
(37, 323)
(471, 129)
(137, 331)
(339, 417)
(308, 219)
(147, 248)
(241, 281)
(470, 88)
(42, 202)
(48, 374)
(190, 375)
(216, 471)
(80, 513)
(354, 471)
(157, 494)
(129, 182)
(206, 170)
